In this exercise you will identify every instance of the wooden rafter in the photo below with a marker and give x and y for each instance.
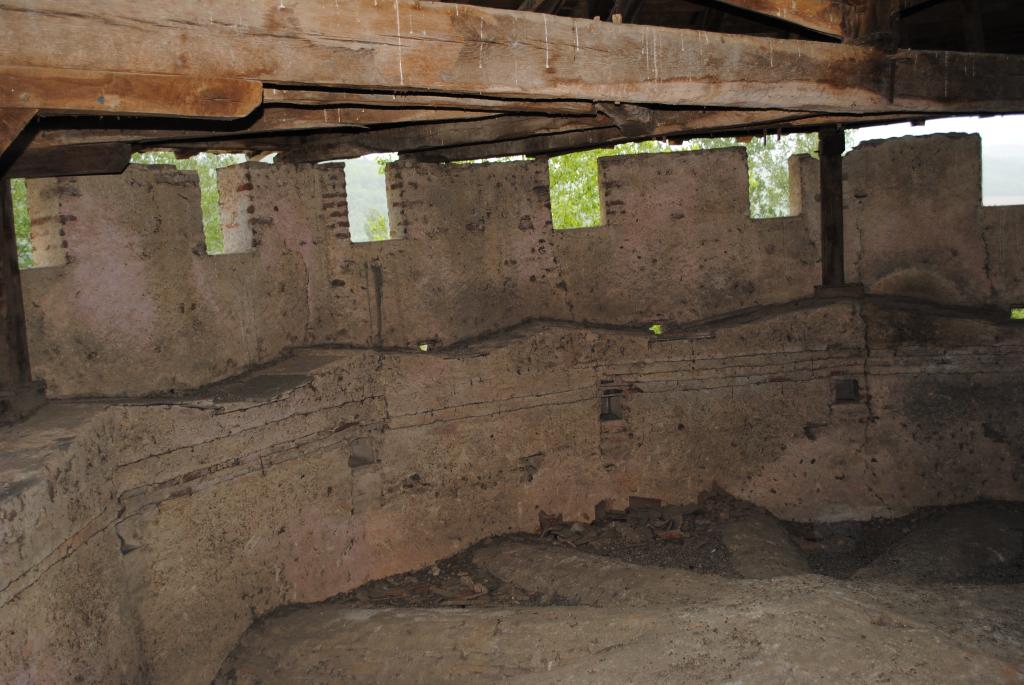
(823, 16)
(324, 98)
(102, 92)
(462, 49)
(62, 131)
(12, 123)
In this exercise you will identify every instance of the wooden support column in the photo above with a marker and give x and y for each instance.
(831, 144)
(19, 396)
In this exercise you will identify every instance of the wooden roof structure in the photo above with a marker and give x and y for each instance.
(83, 86)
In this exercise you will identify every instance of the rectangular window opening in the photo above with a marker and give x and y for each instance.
(846, 390)
(611, 404)
(22, 223)
(366, 193)
(205, 164)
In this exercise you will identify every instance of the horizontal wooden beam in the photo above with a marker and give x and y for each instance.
(411, 45)
(63, 131)
(823, 16)
(71, 160)
(12, 123)
(79, 91)
(321, 147)
(324, 98)
(674, 127)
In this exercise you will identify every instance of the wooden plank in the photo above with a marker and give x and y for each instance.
(823, 16)
(451, 48)
(714, 123)
(71, 160)
(12, 123)
(831, 144)
(320, 147)
(64, 131)
(322, 98)
(15, 370)
(80, 91)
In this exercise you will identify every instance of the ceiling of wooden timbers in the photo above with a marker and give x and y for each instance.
(320, 79)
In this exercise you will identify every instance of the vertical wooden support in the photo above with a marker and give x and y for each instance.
(19, 396)
(16, 371)
(831, 144)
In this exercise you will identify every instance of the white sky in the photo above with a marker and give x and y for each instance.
(1002, 144)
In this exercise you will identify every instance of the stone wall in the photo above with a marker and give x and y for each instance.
(141, 539)
(140, 308)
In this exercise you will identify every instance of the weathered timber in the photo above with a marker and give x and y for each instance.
(677, 128)
(12, 123)
(71, 90)
(823, 16)
(322, 98)
(319, 147)
(831, 144)
(63, 131)
(872, 22)
(14, 363)
(455, 48)
(71, 160)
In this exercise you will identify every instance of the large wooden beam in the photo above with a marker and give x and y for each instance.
(62, 131)
(71, 160)
(320, 147)
(78, 91)
(324, 98)
(673, 127)
(412, 45)
(12, 123)
(823, 16)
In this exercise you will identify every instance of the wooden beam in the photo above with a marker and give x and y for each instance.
(822, 16)
(14, 362)
(323, 98)
(675, 127)
(451, 48)
(64, 131)
(831, 145)
(12, 123)
(70, 160)
(872, 23)
(316, 148)
(79, 91)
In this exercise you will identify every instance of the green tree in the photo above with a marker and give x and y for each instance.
(575, 196)
(377, 227)
(22, 223)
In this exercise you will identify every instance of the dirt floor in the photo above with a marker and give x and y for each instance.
(943, 579)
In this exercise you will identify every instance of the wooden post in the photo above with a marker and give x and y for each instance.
(831, 144)
(13, 340)
(19, 396)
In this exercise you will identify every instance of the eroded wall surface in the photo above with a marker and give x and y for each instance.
(140, 537)
(475, 254)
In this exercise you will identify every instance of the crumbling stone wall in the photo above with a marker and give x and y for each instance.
(139, 538)
(140, 308)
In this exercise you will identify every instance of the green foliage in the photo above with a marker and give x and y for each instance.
(1017, 313)
(205, 164)
(575, 197)
(656, 328)
(22, 223)
(377, 227)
